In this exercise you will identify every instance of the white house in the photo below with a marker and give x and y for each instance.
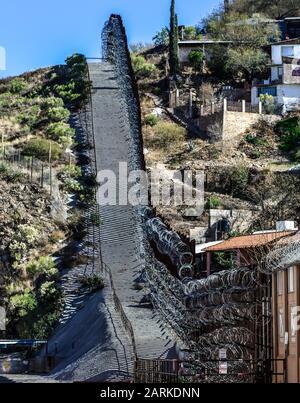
(284, 81)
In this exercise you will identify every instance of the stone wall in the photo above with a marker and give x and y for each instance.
(228, 126)
(212, 125)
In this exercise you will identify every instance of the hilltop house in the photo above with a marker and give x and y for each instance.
(284, 81)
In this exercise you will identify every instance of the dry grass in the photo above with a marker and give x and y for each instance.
(165, 136)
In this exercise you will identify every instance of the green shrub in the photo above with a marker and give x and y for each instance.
(6, 100)
(58, 114)
(10, 173)
(255, 140)
(289, 134)
(72, 185)
(268, 102)
(297, 155)
(77, 64)
(93, 283)
(44, 265)
(48, 290)
(53, 102)
(31, 117)
(28, 233)
(18, 85)
(73, 171)
(151, 119)
(196, 59)
(239, 177)
(40, 148)
(142, 68)
(68, 92)
(23, 304)
(61, 132)
(213, 202)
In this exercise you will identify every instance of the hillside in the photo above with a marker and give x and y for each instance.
(253, 174)
(38, 173)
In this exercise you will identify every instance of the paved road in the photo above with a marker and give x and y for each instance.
(122, 236)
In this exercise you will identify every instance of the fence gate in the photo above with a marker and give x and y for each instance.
(156, 371)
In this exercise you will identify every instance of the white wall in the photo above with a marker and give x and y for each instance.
(274, 73)
(288, 95)
(276, 53)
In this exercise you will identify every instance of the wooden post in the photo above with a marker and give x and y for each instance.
(208, 263)
(31, 169)
(42, 176)
(170, 99)
(191, 104)
(2, 142)
(243, 106)
(50, 166)
(176, 97)
(201, 110)
(260, 107)
(212, 108)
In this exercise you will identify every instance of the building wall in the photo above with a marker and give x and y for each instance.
(285, 303)
(185, 51)
(288, 95)
(274, 73)
(291, 74)
(228, 126)
(277, 53)
(212, 125)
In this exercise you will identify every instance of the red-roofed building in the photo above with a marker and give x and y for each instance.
(241, 245)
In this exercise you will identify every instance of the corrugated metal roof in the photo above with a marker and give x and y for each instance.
(249, 241)
(202, 42)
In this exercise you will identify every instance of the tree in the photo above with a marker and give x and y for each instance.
(162, 37)
(196, 59)
(272, 8)
(237, 28)
(141, 67)
(173, 45)
(191, 32)
(140, 47)
(245, 63)
(243, 57)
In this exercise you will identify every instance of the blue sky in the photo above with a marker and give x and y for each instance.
(39, 33)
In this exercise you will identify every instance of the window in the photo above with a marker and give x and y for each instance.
(280, 72)
(295, 310)
(279, 283)
(291, 279)
(281, 325)
(296, 72)
(287, 51)
(267, 90)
